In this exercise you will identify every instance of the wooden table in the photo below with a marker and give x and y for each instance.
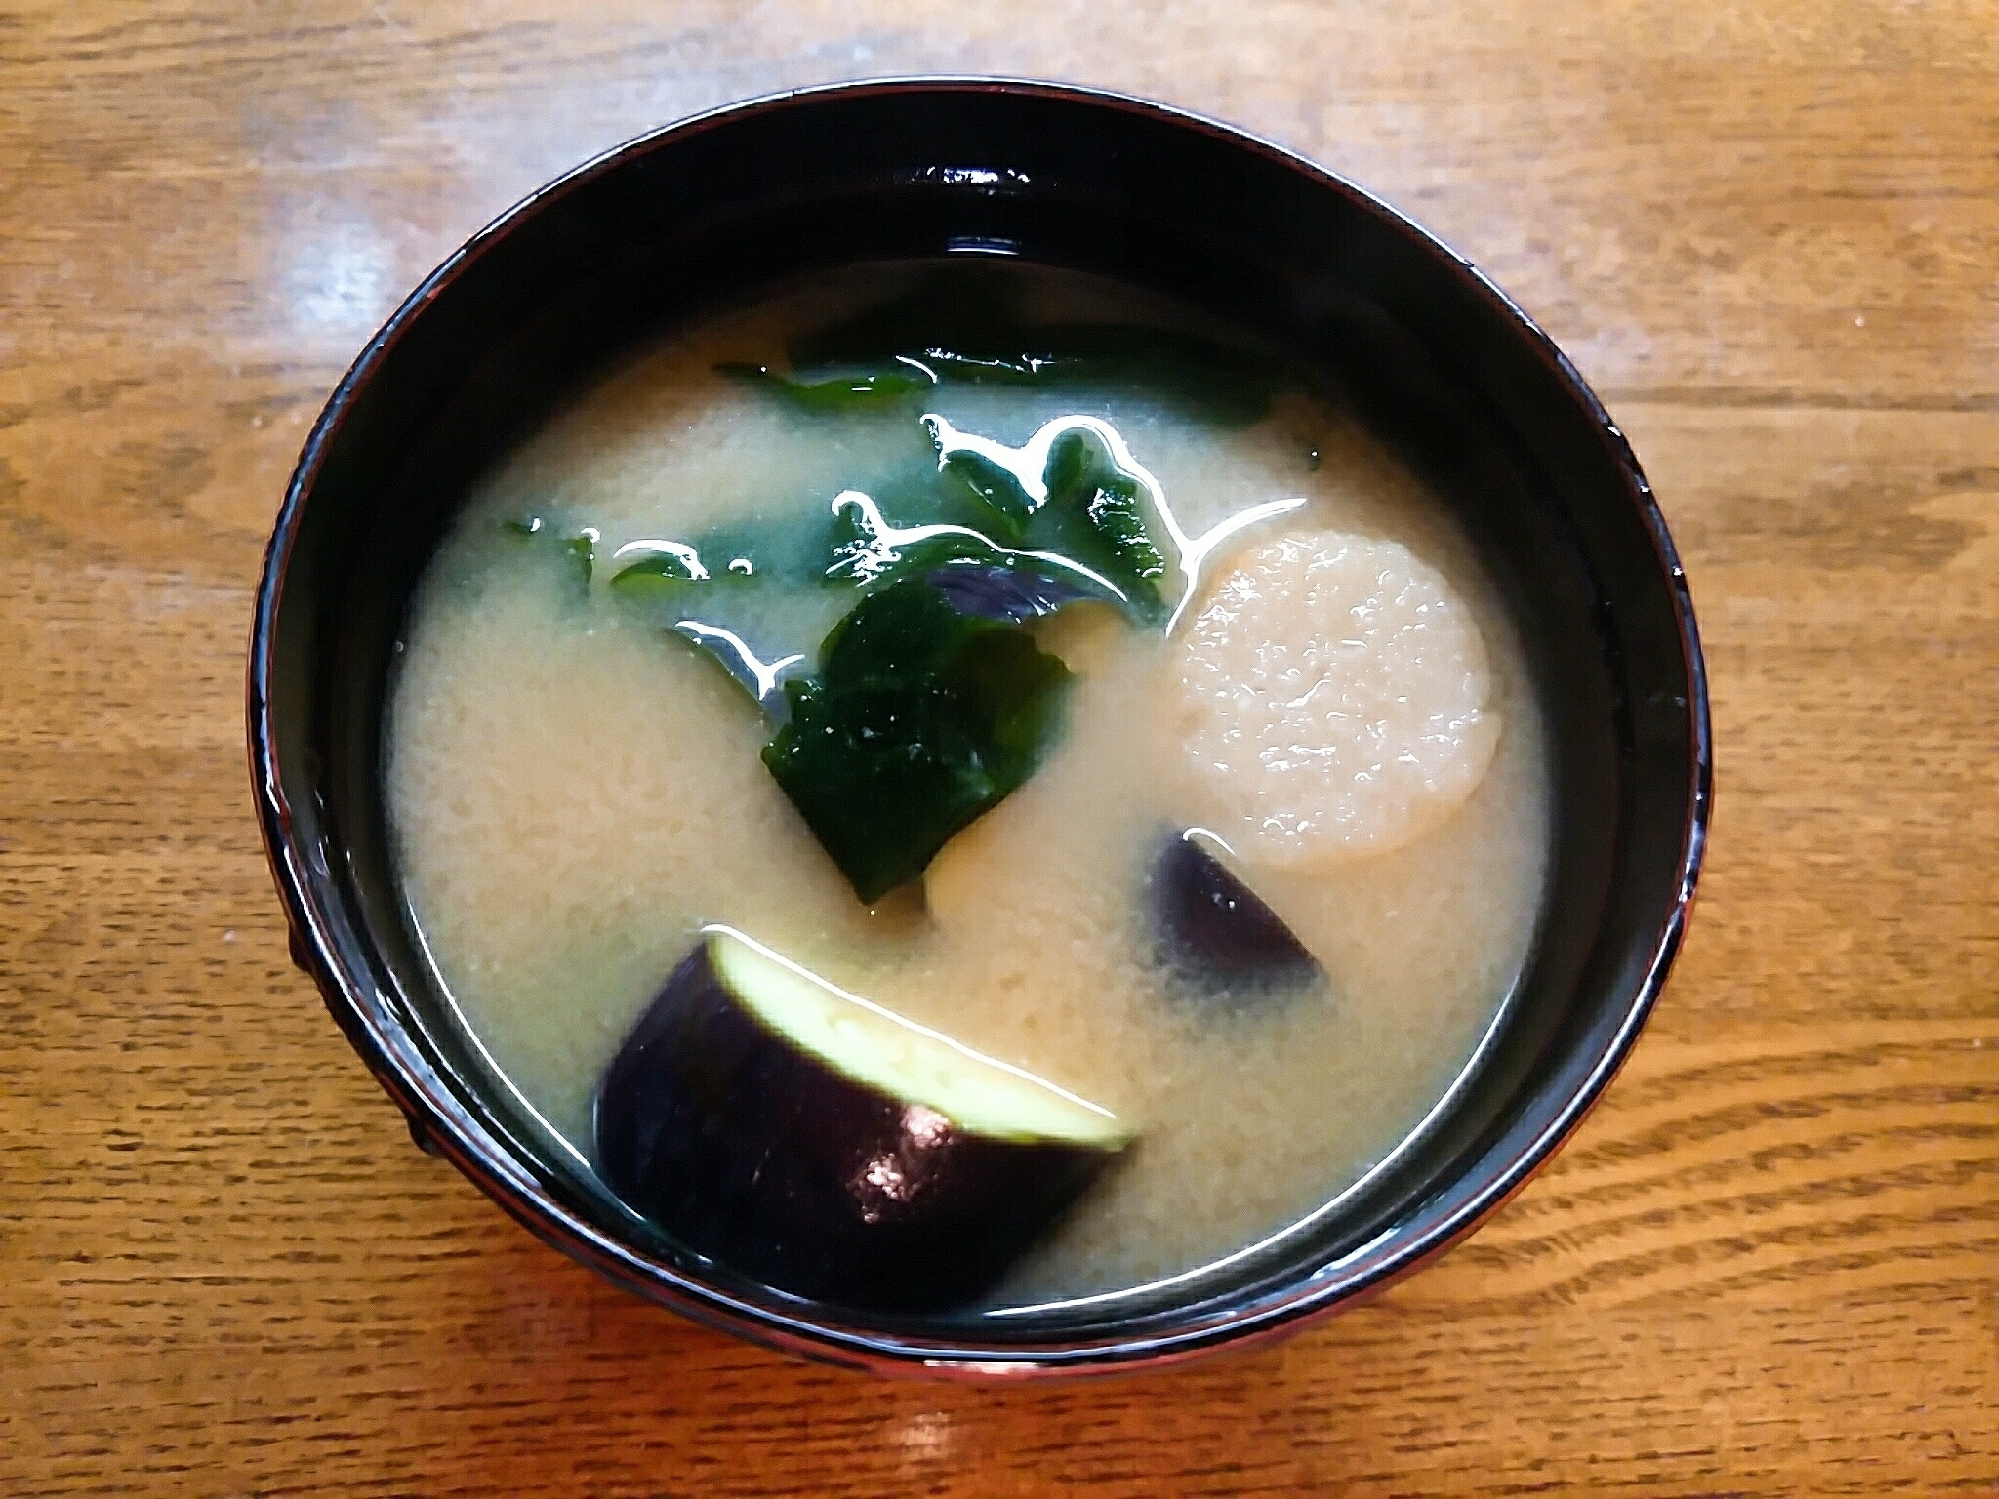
(1769, 1264)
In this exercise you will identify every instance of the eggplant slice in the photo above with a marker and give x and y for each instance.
(817, 1142)
(1218, 935)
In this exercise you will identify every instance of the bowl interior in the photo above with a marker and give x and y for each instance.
(722, 209)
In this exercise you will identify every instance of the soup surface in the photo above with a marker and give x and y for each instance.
(576, 792)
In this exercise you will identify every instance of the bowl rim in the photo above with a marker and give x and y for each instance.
(441, 1125)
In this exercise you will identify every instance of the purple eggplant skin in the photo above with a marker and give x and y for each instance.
(751, 1151)
(1012, 594)
(1217, 935)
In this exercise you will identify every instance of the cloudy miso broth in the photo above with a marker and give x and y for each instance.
(1252, 643)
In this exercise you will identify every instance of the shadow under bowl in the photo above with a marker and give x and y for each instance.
(725, 206)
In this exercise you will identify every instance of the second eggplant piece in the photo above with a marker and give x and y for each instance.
(1217, 934)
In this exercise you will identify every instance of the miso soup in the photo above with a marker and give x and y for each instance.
(971, 791)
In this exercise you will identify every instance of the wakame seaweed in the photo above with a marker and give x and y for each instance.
(931, 702)
(873, 552)
(919, 720)
(951, 329)
(842, 393)
(1095, 514)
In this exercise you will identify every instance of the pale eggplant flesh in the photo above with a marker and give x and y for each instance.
(819, 1144)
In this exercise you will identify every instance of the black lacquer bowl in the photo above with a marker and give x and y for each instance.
(718, 208)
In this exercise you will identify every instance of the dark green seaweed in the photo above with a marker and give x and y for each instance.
(867, 391)
(957, 329)
(919, 720)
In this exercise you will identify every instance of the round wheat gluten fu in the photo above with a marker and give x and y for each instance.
(1338, 699)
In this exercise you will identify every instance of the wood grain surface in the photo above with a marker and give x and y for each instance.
(1769, 1264)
